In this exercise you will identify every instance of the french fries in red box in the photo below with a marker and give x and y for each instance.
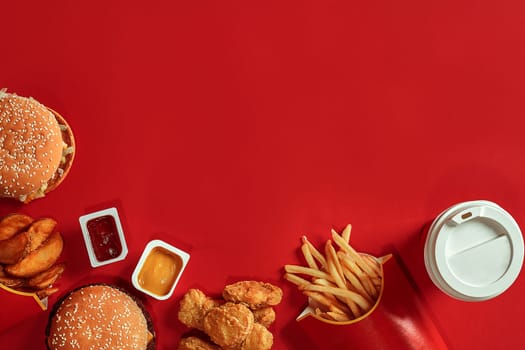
(342, 285)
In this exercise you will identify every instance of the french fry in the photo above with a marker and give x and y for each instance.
(336, 316)
(308, 256)
(296, 269)
(298, 281)
(335, 270)
(366, 282)
(344, 293)
(374, 265)
(352, 305)
(331, 316)
(341, 284)
(351, 251)
(315, 253)
(356, 284)
(346, 233)
(333, 266)
(323, 282)
(376, 281)
(329, 302)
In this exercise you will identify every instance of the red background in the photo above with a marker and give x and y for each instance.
(229, 129)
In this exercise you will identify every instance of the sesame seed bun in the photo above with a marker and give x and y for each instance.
(36, 148)
(99, 316)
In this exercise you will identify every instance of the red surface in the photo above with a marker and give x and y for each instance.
(231, 129)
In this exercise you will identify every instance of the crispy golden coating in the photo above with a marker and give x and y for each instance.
(194, 305)
(228, 325)
(12, 282)
(259, 338)
(265, 316)
(13, 223)
(38, 260)
(39, 232)
(15, 248)
(47, 278)
(194, 343)
(253, 293)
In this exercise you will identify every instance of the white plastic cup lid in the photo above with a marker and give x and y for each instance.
(474, 251)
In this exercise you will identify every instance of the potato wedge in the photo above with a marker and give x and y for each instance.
(47, 278)
(12, 282)
(44, 293)
(12, 224)
(13, 249)
(39, 232)
(39, 260)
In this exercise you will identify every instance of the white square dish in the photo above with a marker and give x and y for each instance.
(159, 269)
(104, 237)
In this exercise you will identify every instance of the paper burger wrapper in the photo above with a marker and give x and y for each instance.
(17, 306)
(309, 311)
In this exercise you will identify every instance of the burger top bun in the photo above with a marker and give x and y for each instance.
(98, 317)
(32, 147)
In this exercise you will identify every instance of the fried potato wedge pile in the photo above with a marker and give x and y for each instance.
(342, 285)
(29, 251)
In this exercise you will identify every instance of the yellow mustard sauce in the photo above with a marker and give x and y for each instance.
(160, 270)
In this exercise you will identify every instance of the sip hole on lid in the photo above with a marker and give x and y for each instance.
(474, 251)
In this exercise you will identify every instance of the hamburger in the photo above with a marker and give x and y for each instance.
(99, 316)
(37, 148)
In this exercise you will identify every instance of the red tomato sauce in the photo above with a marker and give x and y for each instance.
(104, 237)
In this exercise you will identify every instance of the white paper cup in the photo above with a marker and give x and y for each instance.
(474, 251)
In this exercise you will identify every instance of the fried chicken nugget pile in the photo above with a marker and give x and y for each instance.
(237, 321)
(29, 250)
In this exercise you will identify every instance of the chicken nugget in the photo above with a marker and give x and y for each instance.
(194, 305)
(253, 293)
(228, 325)
(194, 343)
(259, 338)
(265, 316)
